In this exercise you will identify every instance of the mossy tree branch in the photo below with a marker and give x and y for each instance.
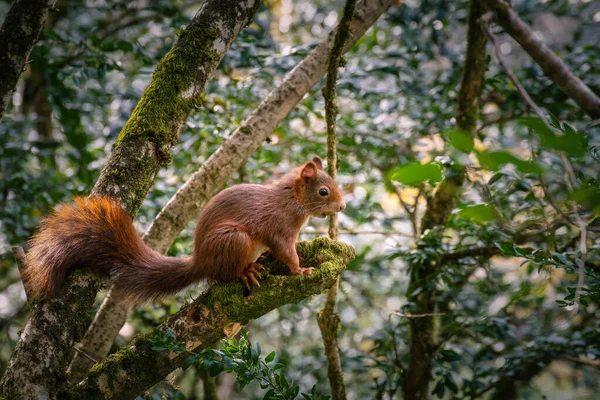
(550, 63)
(327, 318)
(214, 173)
(423, 341)
(19, 33)
(221, 309)
(38, 363)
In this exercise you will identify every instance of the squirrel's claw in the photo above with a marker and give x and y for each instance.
(251, 273)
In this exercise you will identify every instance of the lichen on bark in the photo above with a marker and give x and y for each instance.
(136, 367)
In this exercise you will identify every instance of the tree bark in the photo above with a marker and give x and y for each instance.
(423, 341)
(137, 367)
(38, 363)
(18, 34)
(195, 193)
(550, 63)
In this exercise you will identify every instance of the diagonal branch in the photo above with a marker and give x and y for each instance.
(215, 172)
(18, 34)
(38, 363)
(550, 63)
(221, 309)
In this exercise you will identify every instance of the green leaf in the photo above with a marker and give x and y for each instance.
(536, 125)
(451, 384)
(497, 176)
(572, 142)
(480, 213)
(270, 357)
(494, 160)
(587, 197)
(216, 368)
(416, 173)
(460, 140)
(258, 350)
(189, 360)
(439, 389)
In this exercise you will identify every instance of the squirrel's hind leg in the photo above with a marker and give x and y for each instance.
(235, 253)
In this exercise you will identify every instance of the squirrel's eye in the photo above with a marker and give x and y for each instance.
(323, 192)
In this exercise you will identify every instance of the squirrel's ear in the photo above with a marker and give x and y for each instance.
(309, 171)
(318, 162)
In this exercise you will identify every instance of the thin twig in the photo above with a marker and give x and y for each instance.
(20, 259)
(584, 361)
(485, 23)
(425, 315)
(86, 355)
(411, 213)
(365, 232)
(582, 240)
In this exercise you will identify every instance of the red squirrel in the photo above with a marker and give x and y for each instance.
(233, 230)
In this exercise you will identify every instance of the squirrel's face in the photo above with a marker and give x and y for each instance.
(320, 195)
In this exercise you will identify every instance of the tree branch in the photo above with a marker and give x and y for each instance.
(550, 63)
(38, 363)
(18, 34)
(137, 367)
(214, 173)
(584, 361)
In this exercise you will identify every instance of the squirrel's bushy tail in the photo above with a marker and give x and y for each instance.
(97, 234)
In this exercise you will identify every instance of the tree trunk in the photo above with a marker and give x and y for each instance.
(38, 363)
(423, 340)
(214, 173)
(18, 34)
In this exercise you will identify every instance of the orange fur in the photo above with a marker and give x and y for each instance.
(233, 229)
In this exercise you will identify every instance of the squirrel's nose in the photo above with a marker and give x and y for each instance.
(342, 206)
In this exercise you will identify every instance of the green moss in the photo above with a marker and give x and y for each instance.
(118, 173)
(171, 96)
(135, 357)
(327, 256)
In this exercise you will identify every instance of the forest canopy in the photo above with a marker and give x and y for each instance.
(466, 262)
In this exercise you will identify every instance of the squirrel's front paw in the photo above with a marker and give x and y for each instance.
(306, 271)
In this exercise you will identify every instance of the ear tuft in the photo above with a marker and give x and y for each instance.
(309, 171)
(318, 162)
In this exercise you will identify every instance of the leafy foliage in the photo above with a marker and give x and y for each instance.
(243, 359)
